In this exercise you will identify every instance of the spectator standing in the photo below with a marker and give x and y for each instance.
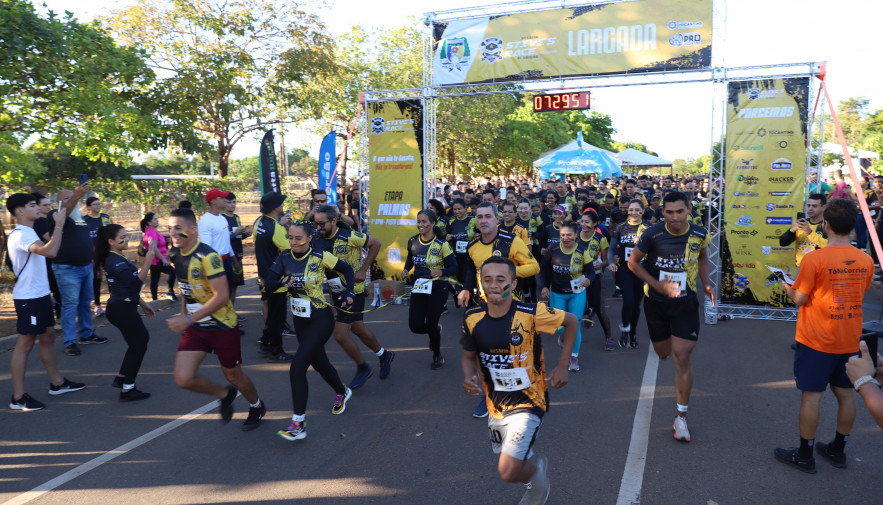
(96, 219)
(237, 233)
(160, 263)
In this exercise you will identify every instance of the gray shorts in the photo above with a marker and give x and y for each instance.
(514, 434)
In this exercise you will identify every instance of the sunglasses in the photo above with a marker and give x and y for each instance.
(321, 201)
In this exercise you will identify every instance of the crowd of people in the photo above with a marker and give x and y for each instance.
(521, 258)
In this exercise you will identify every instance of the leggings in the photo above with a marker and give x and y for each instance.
(575, 303)
(96, 283)
(632, 289)
(596, 294)
(312, 334)
(124, 315)
(155, 272)
(425, 311)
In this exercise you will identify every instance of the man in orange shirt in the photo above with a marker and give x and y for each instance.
(828, 290)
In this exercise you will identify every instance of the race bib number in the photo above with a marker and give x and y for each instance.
(679, 277)
(512, 379)
(422, 286)
(575, 284)
(300, 307)
(628, 252)
(192, 308)
(335, 285)
(461, 247)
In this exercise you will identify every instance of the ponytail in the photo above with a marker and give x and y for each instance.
(102, 248)
(146, 221)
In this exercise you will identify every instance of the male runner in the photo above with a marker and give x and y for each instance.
(347, 245)
(509, 224)
(503, 338)
(270, 239)
(213, 232)
(207, 322)
(668, 257)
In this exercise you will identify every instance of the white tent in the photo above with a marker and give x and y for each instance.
(834, 148)
(635, 158)
(573, 145)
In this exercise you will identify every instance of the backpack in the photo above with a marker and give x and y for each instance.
(7, 272)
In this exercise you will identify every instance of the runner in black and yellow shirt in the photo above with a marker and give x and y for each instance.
(302, 270)
(509, 223)
(237, 233)
(624, 240)
(460, 231)
(270, 239)
(207, 322)
(595, 243)
(503, 362)
(431, 258)
(533, 224)
(669, 257)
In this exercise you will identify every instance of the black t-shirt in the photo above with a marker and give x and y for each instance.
(235, 242)
(41, 226)
(270, 239)
(76, 242)
(673, 256)
(96, 222)
(122, 278)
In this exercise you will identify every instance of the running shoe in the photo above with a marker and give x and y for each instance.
(445, 309)
(624, 336)
(296, 431)
(617, 293)
(609, 345)
(133, 395)
(837, 459)
(98, 311)
(791, 457)
(263, 349)
(171, 297)
(361, 377)
(255, 414)
(574, 364)
(280, 357)
(227, 404)
(680, 427)
(65, 387)
(633, 341)
(437, 362)
(480, 410)
(72, 350)
(340, 402)
(288, 332)
(240, 319)
(538, 491)
(26, 403)
(93, 339)
(386, 363)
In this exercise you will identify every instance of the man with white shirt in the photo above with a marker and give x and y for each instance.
(33, 304)
(214, 233)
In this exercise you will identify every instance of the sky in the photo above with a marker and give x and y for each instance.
(673, 119)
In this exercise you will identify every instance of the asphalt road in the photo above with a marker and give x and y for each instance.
(411, 439)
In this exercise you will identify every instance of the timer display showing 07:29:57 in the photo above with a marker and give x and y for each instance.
(561, 101)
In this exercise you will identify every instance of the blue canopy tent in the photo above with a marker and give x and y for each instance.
(581, 162)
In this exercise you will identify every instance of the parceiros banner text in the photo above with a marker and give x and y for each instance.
(643, 35)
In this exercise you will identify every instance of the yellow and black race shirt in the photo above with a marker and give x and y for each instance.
(504, 245)
(510, 353)
(270, 239)
(673, 256)
(515, 229)
(594, 245)
(308, 273)
(234, 222)
(96, 222)
(625, 237)
(424, 257)
(347, 245)
(194, 269)
(532, 224)
(806, 243)
(559, 268)
(462, 231)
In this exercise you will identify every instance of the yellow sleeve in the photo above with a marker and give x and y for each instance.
(357, 239)
(212, 266)
(525, 264)
(446, 250)
(705, 241)
(604, 243)
(522, 233)
(817, 239)
(280, 237)
(547, 319)
(470, 228)
(329, 260)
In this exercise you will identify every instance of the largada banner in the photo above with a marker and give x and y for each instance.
(765, 176)
(395, 152)
(642, 35)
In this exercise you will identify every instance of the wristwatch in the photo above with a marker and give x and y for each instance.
(861, 381)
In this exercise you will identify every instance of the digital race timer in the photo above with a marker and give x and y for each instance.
(561, 101)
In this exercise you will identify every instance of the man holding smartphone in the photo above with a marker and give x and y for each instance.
(808, 231)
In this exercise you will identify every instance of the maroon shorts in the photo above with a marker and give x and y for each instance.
(223, 343)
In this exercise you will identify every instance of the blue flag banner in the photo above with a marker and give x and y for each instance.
(328, 167)
(269, 171)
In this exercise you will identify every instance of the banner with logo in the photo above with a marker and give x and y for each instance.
(395, 190)
(327, 167)
(765, 176)
(637, 36)
(269, 171)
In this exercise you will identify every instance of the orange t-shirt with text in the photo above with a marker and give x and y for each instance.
(835, 278)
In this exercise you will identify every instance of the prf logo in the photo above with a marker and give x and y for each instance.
(378, 125)
(781, 164)
(685, 39)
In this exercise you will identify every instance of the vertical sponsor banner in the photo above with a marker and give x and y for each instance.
(395, 191)
(765, 173)
(269, 171)
(327, 165)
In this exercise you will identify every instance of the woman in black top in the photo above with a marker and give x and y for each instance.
(125, 280)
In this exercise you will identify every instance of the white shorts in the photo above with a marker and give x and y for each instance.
(514, 434)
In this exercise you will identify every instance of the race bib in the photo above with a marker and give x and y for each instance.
(335, 285)
(679, 277)
(422, 286)
(512, 379)
(575, 284)
(192, 308)
(461, 247)
(628, 252)
(300, 307)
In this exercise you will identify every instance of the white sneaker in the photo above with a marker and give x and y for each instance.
(680, 427)
(574, 364)
(538, 492)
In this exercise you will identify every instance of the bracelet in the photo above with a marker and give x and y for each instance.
(187, 317)
(861, 381)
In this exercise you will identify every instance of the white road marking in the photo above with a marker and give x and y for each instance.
(633, 475)
(68, 476)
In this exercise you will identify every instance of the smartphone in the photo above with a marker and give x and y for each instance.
(84, 178)
(801, 215)
(870, 338)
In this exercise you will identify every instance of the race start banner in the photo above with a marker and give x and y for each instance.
(395, 190)
(637, 36)
(765, 175)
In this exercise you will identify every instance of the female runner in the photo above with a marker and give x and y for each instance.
(624, 240)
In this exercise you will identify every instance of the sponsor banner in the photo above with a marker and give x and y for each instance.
(269, 170)
(642, 35)
(395, 154)
(765, 174)
(327, 167)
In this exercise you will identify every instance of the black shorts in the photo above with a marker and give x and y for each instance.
(358, 307)
(238, 271)
(667, 319)
(814, 370)
(34, 315)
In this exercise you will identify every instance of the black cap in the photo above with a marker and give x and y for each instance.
(271, 201)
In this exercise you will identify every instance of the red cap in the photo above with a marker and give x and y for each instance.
(215, 193)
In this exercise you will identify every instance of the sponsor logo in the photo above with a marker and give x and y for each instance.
(738, 206)
(779, 220)
(497, 253)
(378, 125)
(781, 132)
(781, 179)
(747, 179)
(341, 249)
(781, 164)
(455, 54)
(685, 39)
(744, 147)
(195, 273)
(783, 144)
(741, 193)
(774, 206)
(746, 164)
(314, 267)
(744, 233)
(491, 49)
(761, 132)
(762, 112)
(741, 282)
(526, 47)
(773, 237)
(683, 25)
(780, 193)
(744, 265)
(757, 94)
(743, 252)
(766, 250)
(744, 220)
(516, 339)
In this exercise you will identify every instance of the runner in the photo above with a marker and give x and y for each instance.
(552, 231)
(94, 220)
(302, 270)
(270, 239)
(431, 258)
(207, 321)
(124, 280)
(346, 244)
(674, 254)
(503, 362)
(161, 263)
(624, 240)
(565, 273)
(237, 233)
(461, 229)
(509, 224)
(595, 244)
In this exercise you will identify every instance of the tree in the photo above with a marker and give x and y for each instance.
(852, 114)
(230, 68)
(622, 146)
(68, 84)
